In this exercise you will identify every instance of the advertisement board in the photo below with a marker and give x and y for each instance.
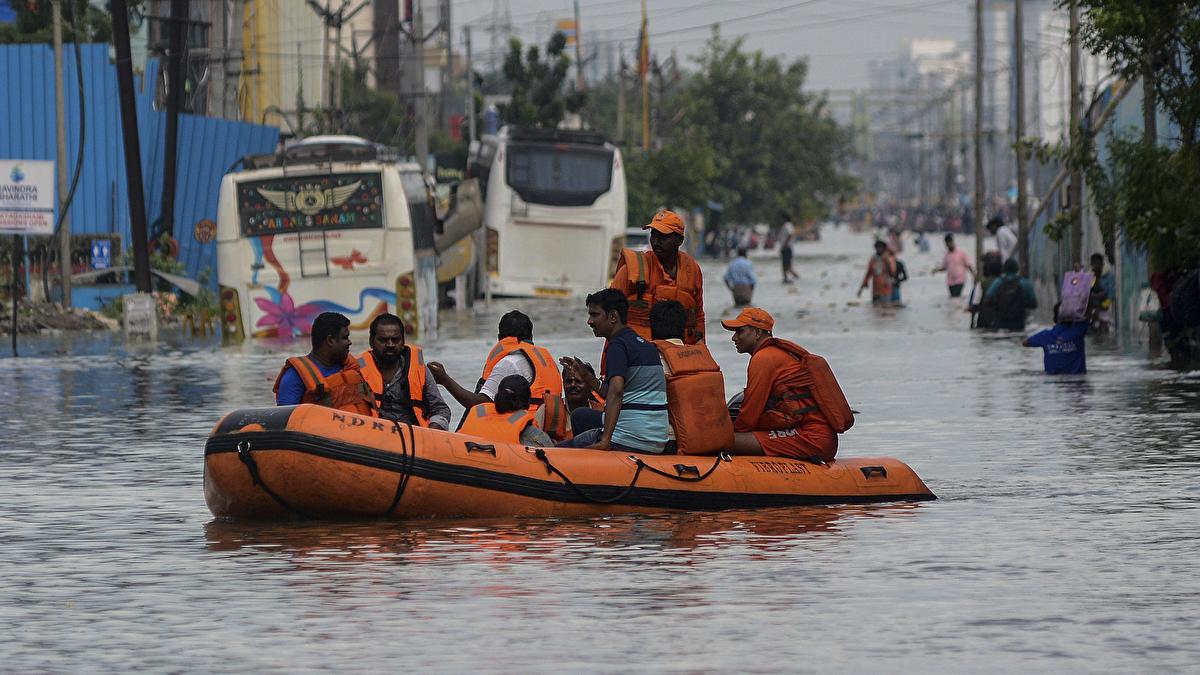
(293, 204)
(26, 196)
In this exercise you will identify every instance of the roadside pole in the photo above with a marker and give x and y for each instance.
(979, 187)
(1022, 197)
(1074, 136)
(64, 234)
(470, 87)
(133, 157)
(17, 254)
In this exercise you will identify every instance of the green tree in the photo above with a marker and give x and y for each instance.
(539, 95)
(776, 148)
(33, 24)
(1142, 189)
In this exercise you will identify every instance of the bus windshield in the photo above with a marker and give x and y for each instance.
(559, 174)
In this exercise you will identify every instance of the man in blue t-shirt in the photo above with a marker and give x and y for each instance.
(1062, 347)
(634, 387)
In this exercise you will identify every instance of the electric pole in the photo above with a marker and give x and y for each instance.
(177, 26)
(979, 187)
(578, 50)
(470, 86)
(1075, 135)
(64, 233)
(1019, 45)
(133, 156)
(422, 140)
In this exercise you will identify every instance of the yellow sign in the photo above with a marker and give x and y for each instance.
(544, 291)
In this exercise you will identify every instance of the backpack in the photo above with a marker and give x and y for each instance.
(1008, 304)
(826, 391)
(1076, 290)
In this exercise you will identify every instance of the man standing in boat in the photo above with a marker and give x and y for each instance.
(515, 354)
(634, 388)
(404, 389)
(662, 273)
(328, 375)
(793, 405)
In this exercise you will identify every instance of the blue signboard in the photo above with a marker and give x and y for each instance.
(101, 254)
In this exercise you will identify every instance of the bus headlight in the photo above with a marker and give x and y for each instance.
(231, 316)
(493, 251)
(406, 303)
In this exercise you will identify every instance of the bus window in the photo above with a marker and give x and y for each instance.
(552, 175)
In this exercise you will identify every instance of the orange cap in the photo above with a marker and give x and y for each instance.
(751, 316)
(667, 222)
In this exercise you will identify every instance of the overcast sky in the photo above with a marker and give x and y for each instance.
(839, 37)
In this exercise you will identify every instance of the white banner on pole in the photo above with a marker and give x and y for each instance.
(26, 196)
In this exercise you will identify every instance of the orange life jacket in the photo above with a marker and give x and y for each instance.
(555, 420)
(825, 394)
(345, 390)
(547, 381)
(483, 421)
(416, 380)
(696, 399)
(648, 290)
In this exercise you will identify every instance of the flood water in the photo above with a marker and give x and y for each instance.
(1065, 537)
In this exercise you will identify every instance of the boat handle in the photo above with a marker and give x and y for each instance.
(687, 468)
(869, 471)
(481, 447)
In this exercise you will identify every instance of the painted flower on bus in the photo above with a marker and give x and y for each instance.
(285, 317)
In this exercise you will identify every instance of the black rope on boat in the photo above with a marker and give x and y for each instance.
(243, 451)
(409, 459)
(541, 454)
(723, 457)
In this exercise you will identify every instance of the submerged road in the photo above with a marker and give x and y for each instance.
(1064, 540)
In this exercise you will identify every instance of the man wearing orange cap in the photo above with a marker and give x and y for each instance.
(793, 405)
(662, 273)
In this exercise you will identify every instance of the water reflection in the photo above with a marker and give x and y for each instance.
(544, 540)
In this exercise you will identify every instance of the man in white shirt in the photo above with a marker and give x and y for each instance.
(516, 337)
(1006, 239)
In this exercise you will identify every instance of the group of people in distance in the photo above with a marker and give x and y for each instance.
(659, 389)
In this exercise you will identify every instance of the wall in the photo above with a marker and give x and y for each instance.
(207, 146)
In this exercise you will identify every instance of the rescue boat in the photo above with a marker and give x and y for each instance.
(308, 461)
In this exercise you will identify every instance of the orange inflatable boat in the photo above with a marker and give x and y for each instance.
(308, 461)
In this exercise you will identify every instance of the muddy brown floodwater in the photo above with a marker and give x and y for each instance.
(1065, 538)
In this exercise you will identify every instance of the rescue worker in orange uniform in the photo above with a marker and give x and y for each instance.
(700, 423)
(515, 354)
(793, 406)
(508, 419)
(404, 390)
(328, 375)
(662, 273)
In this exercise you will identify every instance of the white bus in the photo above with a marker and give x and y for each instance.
(554, 210)
(331, 223)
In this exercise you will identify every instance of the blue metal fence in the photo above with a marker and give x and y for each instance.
(207, 146)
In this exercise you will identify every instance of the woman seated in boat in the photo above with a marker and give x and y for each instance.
(507, 419)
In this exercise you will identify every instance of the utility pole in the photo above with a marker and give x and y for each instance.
(133, 156)
(979, 187)
(578, 50)
(64, 233)
(621, 103)
(326, 85)
(422, 140)
(1075, 194)
(1022, 224)
(176, 46)
(470, 86)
